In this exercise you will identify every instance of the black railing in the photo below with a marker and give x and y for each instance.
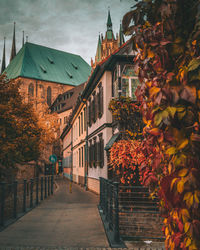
(20, 196)
(129, 212)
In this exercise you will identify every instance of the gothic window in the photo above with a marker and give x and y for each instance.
(42, 94)
(30, 90)
(49, 96)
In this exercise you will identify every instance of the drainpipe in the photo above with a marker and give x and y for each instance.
(86, 148)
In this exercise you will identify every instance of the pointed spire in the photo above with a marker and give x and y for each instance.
(13, 50)
(109, 22)
(22, 38)
(121, 36)
(98, 53)
(3, 65)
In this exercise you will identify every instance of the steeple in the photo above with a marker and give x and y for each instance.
(22, 38)
(98, 53)
(109, 22)
(121, 36)
(13, 50)
(3, 65)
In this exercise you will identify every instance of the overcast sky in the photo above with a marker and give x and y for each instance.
(69, 25)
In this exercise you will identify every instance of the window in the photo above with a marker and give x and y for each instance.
(82, 156)
(79, 151)
(30, 90)
(95, 152)
(89, 114)
(42, 94)
(49, 96)
(100, 101)
(101, 150)
(81, 122)
(85, 120)
(90, 153)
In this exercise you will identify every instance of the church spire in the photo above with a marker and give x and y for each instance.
(121, 36)
(98, 53)
(22, 38)
(13, 50)
(109, 22)
(3, 65)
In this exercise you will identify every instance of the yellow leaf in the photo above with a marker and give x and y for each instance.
(189, 202)
(183, 172)
(188, 242)
(166, 231)
(172, 111)
(193, 247)
(196, 197)
(171, 151)
(172, 183)
(180, 186)
(183, 144)
(154, 90)
(185, 215)
(187, 196)
(187, 226)
(150, 53)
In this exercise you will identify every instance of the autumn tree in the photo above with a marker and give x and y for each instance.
(19, 130)
(167, 38)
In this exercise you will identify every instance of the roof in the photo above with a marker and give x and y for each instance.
(70, 101)
(43, 63)
(111, 141)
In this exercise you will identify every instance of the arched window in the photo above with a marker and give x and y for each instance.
(42, 91)
(30, 91)
(49, 96)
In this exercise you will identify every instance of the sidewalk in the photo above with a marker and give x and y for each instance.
(64, 220)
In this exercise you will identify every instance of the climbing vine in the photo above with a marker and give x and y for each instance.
(166, 38)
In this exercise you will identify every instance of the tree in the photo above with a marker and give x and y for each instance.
(19, 129)
(167, 38)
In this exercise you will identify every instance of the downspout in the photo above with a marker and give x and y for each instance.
(86, 150)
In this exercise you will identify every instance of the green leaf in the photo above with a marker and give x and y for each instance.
(194, 64)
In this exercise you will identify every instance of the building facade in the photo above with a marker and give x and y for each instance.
(111, 78)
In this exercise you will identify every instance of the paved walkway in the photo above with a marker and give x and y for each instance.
(67, 221)
(64, 220)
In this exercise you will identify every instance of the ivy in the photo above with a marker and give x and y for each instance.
(166, 37)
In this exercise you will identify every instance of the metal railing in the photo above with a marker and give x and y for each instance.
(130, 212)
(20, 196)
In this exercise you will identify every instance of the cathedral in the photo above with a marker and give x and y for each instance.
(44, 73)
(108, 44)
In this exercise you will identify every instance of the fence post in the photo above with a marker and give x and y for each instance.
(24, 198)
(37, 191)
(106, 198)
(45, 187)
(48, 185)
(15, 200)
(41, 188)
(2, 203)
(100, 197)
(52, 184)
(31, 193)
(116, 201)
(110, 204)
